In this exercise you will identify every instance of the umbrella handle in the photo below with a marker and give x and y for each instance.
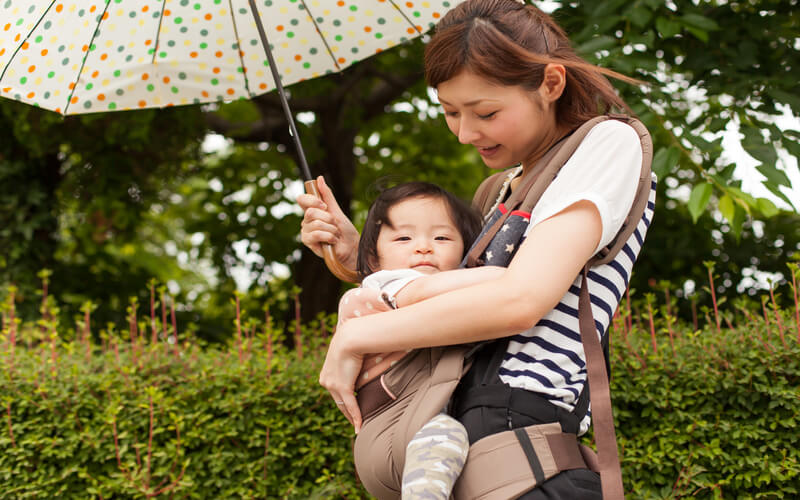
(331, 260)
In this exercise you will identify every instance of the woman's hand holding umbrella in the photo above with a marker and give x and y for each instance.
(324, 222)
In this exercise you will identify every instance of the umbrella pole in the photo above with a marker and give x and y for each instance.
(331, 260)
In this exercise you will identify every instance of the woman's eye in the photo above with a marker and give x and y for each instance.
(487, 116)
(451, 114)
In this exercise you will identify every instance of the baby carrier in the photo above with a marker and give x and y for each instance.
(500, 465)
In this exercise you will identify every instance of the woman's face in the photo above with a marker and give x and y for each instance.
(507, 124)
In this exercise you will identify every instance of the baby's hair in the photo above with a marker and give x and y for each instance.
(466, 219)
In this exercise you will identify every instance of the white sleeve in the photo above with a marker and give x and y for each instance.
(604, 170)
(391, 281)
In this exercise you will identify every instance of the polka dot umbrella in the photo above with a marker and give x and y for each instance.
(87, 56)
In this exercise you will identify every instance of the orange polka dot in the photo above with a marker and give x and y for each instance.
(105, 16)
(279, 27)
(436, 15)
(58, 110)
(92, 8)
(31, 95)
(59, 7)
(24, 45)
(16, 38)
(142, 104)
(208, 17)
(148, 42)
(8, 89)
(7, 27)
(166, 79)
(262, 86)
(411, 31)
(31, 69)
(378, 51)
(297, 57)
(2, 51)
(216, 70)
(218, 53)
(84, 48)
(101, 97)
(341, 60)
(145, 76)
(74, 100)
(367, 28)
(95, 73)
(44, 52)
(169, 105)
(204, 93)
(193, 54)
(104, 57)
(167, 12)
(409, 4)
(71, 86)
(340, 3)
(145, 8)
(230, 91)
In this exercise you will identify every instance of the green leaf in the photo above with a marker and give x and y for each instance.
(727, 207)
(667, 28)
(701, 22)
(698, 200)
(774, 175)
(640, 15)
(701, 35)
(596, 44)
(665, 160)
(767, 208)
(755, 146)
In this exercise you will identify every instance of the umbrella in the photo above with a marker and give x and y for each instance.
(87, 56)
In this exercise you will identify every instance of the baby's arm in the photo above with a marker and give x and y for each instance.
(431, 285)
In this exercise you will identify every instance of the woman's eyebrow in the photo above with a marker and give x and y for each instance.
(469, 103)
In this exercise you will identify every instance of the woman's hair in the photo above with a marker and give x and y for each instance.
(509, 43)
(466, 219)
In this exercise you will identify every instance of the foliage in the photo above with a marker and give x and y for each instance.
(707, 412)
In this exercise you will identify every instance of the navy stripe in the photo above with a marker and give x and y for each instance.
(545, 382)
(559, 328)
(561, 307)
(638, 237)
(549, 363)
(651, 205)
(596, 301)
(652, 185)
(602, 280)
(621, 270)
(551, 348)
(646, 222)
(629, 252)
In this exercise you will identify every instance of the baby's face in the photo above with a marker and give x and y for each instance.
(421, 236)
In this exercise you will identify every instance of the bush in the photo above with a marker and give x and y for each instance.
(700, 413)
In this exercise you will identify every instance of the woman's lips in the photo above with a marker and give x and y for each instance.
(488, 152)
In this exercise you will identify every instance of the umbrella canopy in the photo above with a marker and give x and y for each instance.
(85, 56)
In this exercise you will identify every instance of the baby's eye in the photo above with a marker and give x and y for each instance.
(403, 238)
(443, 238)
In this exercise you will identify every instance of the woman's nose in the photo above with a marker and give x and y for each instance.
(466, 132)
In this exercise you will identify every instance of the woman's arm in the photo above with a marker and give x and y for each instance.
(541, 272)
(431, 285)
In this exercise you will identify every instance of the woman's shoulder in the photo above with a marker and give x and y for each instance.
(611, 133)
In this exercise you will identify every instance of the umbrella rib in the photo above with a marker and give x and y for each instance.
(410, 22)
(26, 39)
(321, 37)
(239, 48)
(83, 62)
(158, 32)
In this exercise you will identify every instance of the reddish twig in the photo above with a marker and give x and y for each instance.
(10, 429)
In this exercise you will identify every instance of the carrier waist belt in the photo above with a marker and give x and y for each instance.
(515, 399)
(372, 397)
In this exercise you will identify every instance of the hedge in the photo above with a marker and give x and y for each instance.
(703, 413)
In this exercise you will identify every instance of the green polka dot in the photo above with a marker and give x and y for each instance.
(117, 72)
(121, 48)
(381, 20)
(378, 35)
(162, 55)
(89, 86)
(20, 21)
(171, 43)
(39, 39)
(354, 50)
(81, 12)
(338, 38)
(320, 20)
(337, 22)
(23, 80)
(184, 29)
(253, 42)
(290, 34)
(416, 13)
(197, 6)
(150, 52)
(132, 14)
(112, 105)
(129, 58)
(184, 2)
(242, 11)
(61, 48)
(93, 47)
(65, 61)
(156, 14)
(214, 81)
(51, 74)
(151, 87)
(182, 75)
(203, 45)
(87, 104)
(178, 20)
(313, 51)
(353, 8)
(30, 9)
(47, 25)
(120, 92)
(306, 65)
(294, 22)
(268, 3)
(204, 32)
(47, 95)
(174, 90)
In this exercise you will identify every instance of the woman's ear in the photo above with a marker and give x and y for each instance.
(553, 83)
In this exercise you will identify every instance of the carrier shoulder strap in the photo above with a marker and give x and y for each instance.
(488, 192)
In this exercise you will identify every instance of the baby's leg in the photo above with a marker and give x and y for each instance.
(434, 459)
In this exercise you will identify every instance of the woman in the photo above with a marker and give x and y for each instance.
(512, 87)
